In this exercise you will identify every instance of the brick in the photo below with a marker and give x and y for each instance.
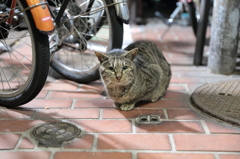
(175, 57)
(187, 80)
(176, 95)
(176, 87)
(106, 126)
(8, 141)
(118, 114)
(63, 81)
(184, 114)
(15, 114)
(42, 94)
(26, 144)
(207, 142)
(137, 37)
(50, 103)
(167, 104)
(60, 86)
(215, 127)
(200, 74)
(171, 127)
(85, 142)
(193, 86)
(92, 155)
(76, 94)
(94, 103)
(214, 80)
(95, 87)
(68, 113)
(229, 156)
(97, 82)
(174, 74)
(25, 155)
(18, 125)
(133, 142)
(188, 68)
(184, 60)
(174, 156)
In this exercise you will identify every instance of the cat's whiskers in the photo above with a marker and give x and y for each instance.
(107, 82)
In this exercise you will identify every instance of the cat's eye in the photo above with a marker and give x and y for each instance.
(124, 67)
(111, 68)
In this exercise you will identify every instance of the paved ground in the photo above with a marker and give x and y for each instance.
(112, 134)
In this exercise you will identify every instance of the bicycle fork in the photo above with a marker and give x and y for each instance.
(40, 13)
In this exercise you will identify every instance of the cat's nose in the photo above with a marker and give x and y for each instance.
(118, 77)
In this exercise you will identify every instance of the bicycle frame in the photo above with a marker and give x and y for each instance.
(43, 17)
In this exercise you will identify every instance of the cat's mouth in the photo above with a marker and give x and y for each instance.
(119, 82)
(122, 82)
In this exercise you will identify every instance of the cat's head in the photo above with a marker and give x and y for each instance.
(117, 67)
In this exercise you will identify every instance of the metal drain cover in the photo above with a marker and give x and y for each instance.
(220, 100)
(148, 119)
(55, 133)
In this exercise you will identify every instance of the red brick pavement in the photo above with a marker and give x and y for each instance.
(113, 134)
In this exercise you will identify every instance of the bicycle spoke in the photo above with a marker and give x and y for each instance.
(88, 27)
(12, 58)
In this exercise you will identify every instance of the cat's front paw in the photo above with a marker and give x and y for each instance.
(126, 107)
(117, 105)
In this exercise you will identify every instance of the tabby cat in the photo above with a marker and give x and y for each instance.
(140, 72)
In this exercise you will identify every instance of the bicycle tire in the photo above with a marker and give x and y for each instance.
(36, 65)
(116, 40)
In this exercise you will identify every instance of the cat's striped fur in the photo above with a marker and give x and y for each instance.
(140, 72)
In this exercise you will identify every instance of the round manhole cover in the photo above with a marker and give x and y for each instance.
(55, 133)
(220, 100)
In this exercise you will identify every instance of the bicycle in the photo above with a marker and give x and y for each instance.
(192, 8)
(54, 34)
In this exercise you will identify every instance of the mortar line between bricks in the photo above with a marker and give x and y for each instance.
(166, 115)
(205, 127)
(152, 133)
(100, 114)
(52, 155)
(205, 80)
(19, 142)
(73, 103)
(95, 142)
(48, 94)
(133, 126)
(134, 155)
(171, 140)
(127, 133)
(5, 133)
(79, 87)
(106, 119)
(34, 114)
(186, 87)
(166, 108)
(216, 156)
(122, 150)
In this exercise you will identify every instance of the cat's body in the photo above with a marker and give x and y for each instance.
(138, 73)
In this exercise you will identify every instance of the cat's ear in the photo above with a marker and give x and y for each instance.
(101, 56)
(131, 54)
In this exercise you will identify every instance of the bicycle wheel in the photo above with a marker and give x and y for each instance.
(24, 56)
(74, 41)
